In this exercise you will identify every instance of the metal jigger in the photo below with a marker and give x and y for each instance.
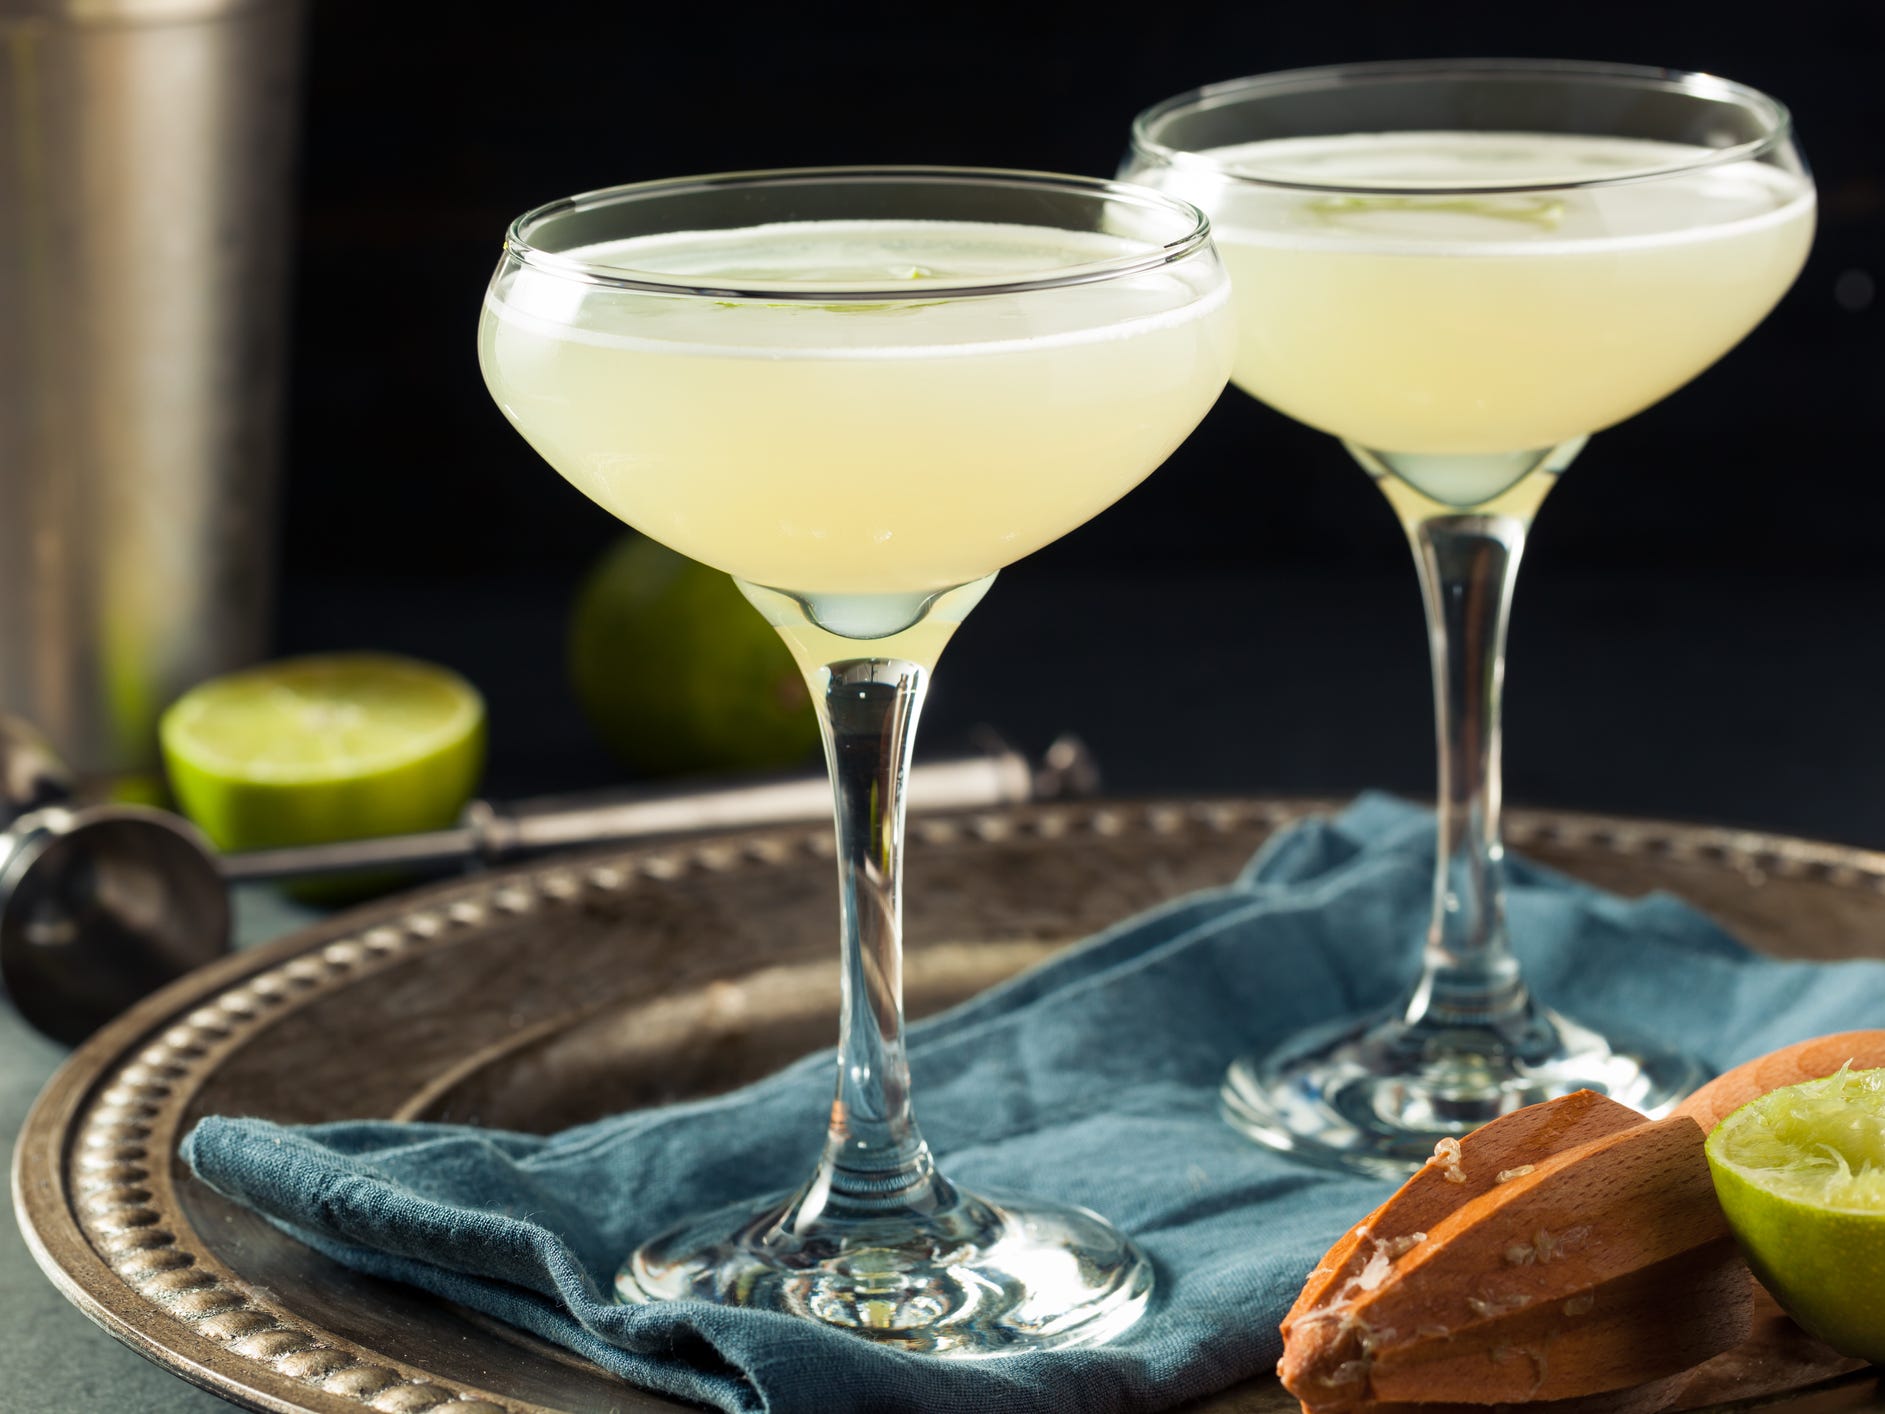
(103, 904)
(99, 904)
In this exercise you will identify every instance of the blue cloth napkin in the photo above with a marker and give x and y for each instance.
(1092, 1079)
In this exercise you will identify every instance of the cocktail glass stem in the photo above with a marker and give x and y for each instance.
(1468, 570)
(877, 1241)
(874, 1154)
(1469, 1042)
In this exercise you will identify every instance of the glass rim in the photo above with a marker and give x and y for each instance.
(1196, 237)
(1775, 114)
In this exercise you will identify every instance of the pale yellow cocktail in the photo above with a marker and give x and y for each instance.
(1467, 322)
(859, 448)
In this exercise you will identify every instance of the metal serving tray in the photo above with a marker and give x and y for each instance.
(546, 995)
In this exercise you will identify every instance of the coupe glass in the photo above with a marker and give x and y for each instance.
(1463, 269)
(862, 392)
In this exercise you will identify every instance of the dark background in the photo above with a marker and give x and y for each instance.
(1696, 631)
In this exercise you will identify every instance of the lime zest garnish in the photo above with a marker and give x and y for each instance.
(1544, 212)
(876, 307)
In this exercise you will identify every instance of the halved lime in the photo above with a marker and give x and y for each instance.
(1800, 1173)
(331, 747)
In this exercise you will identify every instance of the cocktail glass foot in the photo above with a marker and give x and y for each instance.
(1378, 1095)
(965, 1276)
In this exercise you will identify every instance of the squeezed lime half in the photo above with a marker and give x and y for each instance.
(1800, 1173)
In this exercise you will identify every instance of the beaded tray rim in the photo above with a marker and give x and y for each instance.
(91, 1182)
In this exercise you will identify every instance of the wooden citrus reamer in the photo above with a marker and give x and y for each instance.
(1567, 1250)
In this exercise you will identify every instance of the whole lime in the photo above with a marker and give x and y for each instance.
(677, 673)
(1800, 1173)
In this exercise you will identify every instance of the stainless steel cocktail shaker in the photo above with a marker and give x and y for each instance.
(145, 161)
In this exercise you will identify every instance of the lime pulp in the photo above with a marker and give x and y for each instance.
(1800, 1174)
(337, 746)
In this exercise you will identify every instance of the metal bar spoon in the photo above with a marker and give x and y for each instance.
(101, 904)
